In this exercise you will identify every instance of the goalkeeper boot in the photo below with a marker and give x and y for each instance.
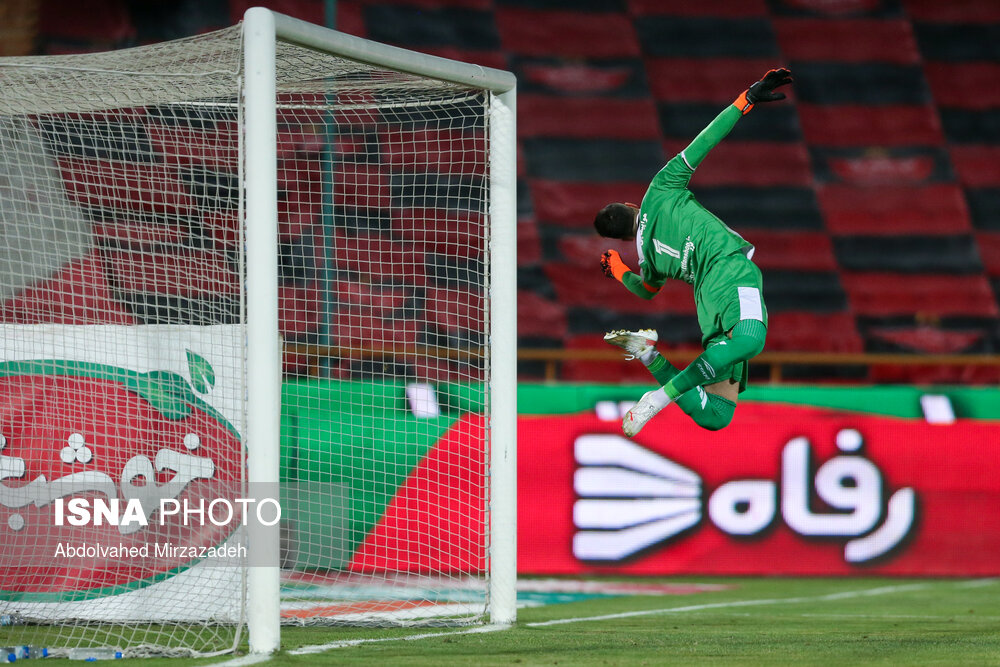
(645, 409)
(635, 343)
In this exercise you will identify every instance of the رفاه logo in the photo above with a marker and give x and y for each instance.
(631, 499)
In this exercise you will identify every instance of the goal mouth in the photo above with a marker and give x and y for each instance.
(273, 257)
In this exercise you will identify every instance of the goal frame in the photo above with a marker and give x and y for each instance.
(262, 30)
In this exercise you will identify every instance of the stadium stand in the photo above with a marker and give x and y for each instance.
(873, 195)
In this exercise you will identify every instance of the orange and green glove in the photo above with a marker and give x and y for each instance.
(613, 266)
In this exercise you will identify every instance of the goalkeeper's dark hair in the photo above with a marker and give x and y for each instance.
(615, 221)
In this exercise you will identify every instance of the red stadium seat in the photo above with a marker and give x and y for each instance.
(376, 258)
(186, 272)
(538, 317)
(855, 125)
(727, 8)
(300, 309)
(102, 22)
(967, 11)
(576, 204)
(569, 34)
(591, 289)
(977, 166)
(587, 117)
(751, 163)
(931, 209)
(847, 40)
(964, 85)
(989, 251)
(792, 251)
(888, 294)
(453, 233)
(178, 144)
(300, 197)
(126, 186)
(78, 293)
(529, 243)
(436, 150)
(718, 80)
(361, 186)
(813, 332)
(455, 310)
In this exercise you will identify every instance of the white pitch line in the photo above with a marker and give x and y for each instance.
(883, 590)
(319, 648)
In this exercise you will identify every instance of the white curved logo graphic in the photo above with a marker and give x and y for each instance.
(631, 499)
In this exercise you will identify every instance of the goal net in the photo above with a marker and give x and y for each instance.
(171, 215)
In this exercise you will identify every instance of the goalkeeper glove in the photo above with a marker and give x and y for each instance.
(613, 266)
(763, 90)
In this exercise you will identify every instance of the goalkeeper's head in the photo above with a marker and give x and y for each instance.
(617, 221)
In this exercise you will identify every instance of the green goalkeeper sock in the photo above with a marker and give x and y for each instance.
(662, 370)
(711, 365)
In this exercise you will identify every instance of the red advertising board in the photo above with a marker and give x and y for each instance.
(784, 489)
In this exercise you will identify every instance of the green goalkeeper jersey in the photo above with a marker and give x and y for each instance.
(677, 237)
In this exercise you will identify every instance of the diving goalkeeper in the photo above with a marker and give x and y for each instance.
(676, 237)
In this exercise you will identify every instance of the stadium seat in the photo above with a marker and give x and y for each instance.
(977, 166)
(984, 207)
(847, 40)
(774, 208)
(964, 85)
(989, 250)
(793, 330)
(377, 258)
(971, 126)
(706, 36)
(884, 210)
(300, 310)
(773, 164)
(571, 204)
(859, 125)
(970, 11)
(79, 293)
(567, 34)
(185, 272)
(456, 233)
(125, 186)
(540, 318)
(882, 166)
(885, 294)
(587, 117)
(529, 246)
(214, 148)
(815, 291)
(714, 80)
(729, 8)
(441, 151)
(791, 250)
(455, 310)
(591, 289)
(94, 25)
(863, 84)
(909, 253)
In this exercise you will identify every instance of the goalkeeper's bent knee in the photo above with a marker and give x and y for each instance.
(747, 342)
(709, 411)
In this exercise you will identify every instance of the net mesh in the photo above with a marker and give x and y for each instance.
(121, 278)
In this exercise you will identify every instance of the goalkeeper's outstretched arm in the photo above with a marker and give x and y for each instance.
(716, 131)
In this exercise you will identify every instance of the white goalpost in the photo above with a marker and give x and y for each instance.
(271, 266)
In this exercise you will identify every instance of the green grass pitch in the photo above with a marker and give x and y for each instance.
(756, 621)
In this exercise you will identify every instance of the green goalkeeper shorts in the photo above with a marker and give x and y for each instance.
(731, 291)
